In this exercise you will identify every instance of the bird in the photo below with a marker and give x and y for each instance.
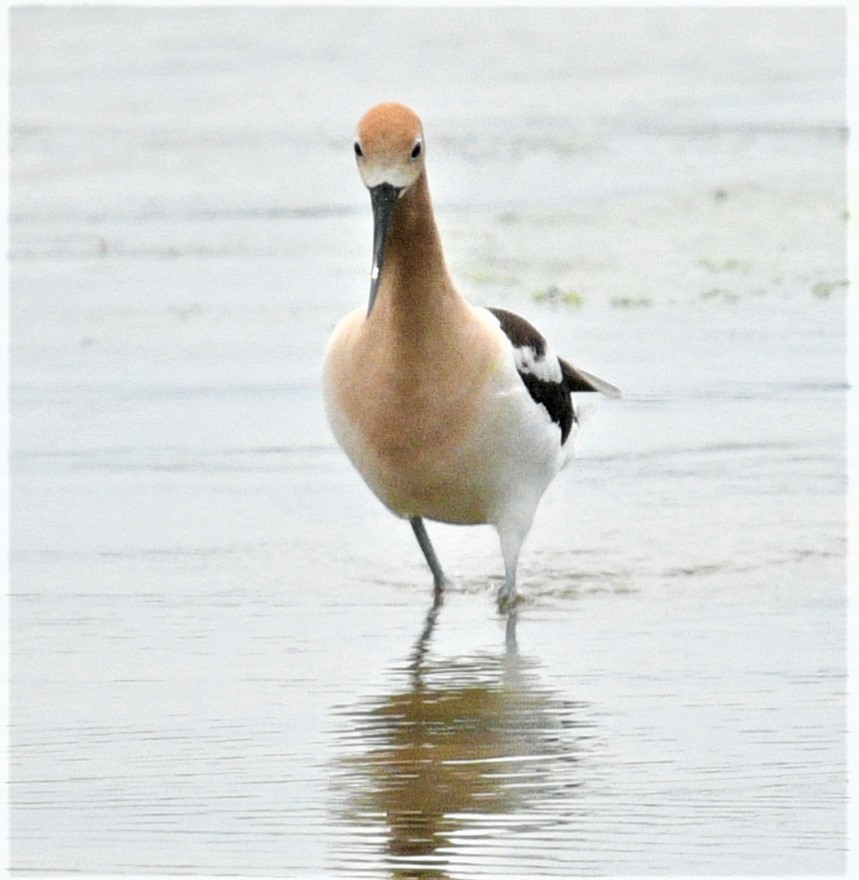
(450, 412)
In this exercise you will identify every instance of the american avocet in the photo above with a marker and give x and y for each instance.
(449, 412)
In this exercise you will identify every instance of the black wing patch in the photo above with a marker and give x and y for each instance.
(578, 380)
(548, 379)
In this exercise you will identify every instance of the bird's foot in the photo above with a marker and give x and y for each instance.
(440, 587)
(508, 599)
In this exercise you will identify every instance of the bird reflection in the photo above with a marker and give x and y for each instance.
(462, 750)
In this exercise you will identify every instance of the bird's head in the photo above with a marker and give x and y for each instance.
(389, 150)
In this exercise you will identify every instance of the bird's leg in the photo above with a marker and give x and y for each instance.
(511, 544)
(440, 581)
(507, 595)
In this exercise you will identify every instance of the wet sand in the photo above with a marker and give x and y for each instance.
(224, 657)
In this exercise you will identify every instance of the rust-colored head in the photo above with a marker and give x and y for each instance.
(389, 147)
(389, 150)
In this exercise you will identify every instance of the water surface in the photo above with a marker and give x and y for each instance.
(224, 657)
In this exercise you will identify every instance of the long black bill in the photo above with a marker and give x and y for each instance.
(384, 199)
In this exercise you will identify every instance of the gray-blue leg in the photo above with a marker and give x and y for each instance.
(508, 595)
(511, 544)
(439, 579)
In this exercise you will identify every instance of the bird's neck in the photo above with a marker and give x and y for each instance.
(416, 292)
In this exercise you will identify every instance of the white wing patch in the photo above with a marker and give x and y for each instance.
(545, 367)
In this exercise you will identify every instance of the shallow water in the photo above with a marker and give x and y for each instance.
(224, 659)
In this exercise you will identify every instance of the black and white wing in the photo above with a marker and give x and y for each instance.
(549, 379)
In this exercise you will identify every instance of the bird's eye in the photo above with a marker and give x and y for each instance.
(358, 151)
(416, 150)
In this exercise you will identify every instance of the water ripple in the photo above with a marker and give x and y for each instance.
(459, 753)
